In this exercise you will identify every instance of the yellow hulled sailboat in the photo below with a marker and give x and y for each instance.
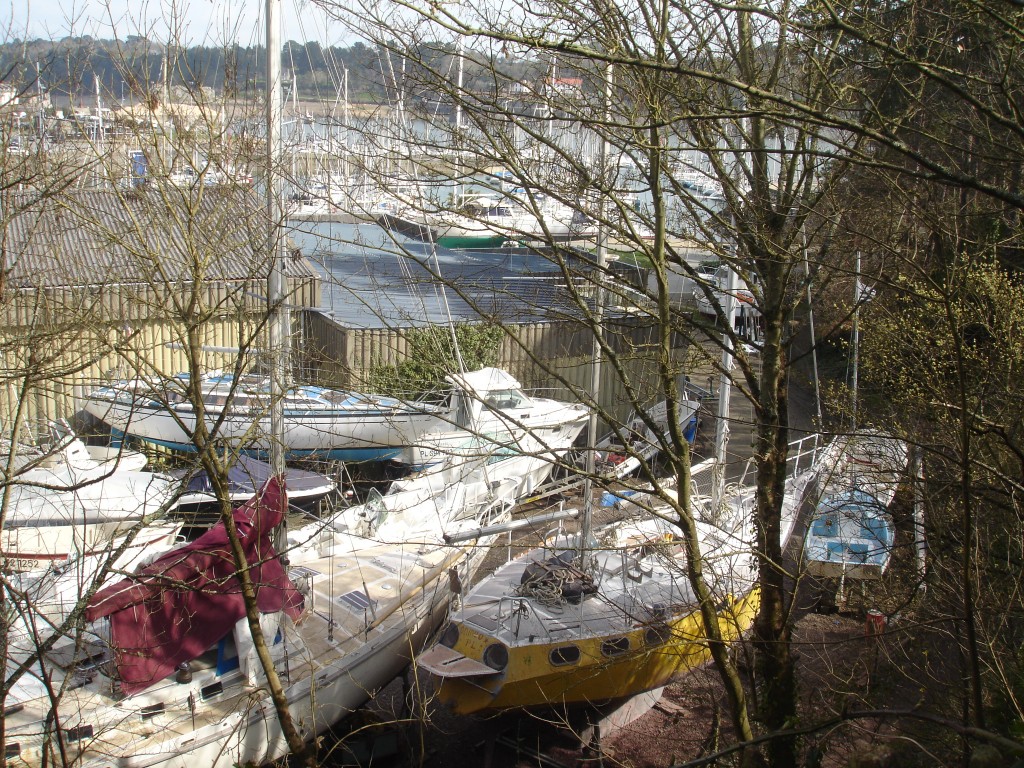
(565, 624)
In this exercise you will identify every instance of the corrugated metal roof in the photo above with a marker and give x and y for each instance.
(159, 237)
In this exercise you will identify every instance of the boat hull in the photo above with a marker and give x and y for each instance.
(656, 654)
(71, 501)
(28, 548)
(331, 435)
(335, 424)
(445, 237)
(457, 232)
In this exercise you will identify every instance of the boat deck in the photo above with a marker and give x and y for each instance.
(366, 607)
(631, 593)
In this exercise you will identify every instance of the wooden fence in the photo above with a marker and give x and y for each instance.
(553, 356)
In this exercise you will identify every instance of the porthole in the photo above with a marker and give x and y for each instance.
(615, 647)
(656, 635)
(78, 733)
(496, 656)
(564, 655)
(209, 691)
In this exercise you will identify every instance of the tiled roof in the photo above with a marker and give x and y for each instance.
(158, 237)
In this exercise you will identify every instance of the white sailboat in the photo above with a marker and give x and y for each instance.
(69, 500)
(491, 220)
(318, 421)
(329, 423)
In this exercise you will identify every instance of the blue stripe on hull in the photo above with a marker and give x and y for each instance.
(336, 454)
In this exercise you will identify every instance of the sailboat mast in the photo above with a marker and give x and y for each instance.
(814, 344)
(99, 114)
(587, 523)
(458, 92)
(724, 388)
(42, 108)
(277, 341)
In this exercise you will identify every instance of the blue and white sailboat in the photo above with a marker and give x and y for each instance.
(851, 532)
(331, 423)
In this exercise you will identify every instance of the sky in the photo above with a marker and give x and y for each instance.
(204, 22)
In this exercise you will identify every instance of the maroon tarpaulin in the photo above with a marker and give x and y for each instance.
(178, 606)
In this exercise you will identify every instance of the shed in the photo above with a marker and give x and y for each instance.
(109, 282)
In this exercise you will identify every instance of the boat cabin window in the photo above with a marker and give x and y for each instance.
(462, 412)
(485, 207)
(504, 399)
(564, 655)
(209, 691)
(78, 733)
(148, 713)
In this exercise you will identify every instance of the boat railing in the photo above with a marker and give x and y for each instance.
(698, 393)
(802, 455)
(702, 477)
(705, 478)
(519, 609)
